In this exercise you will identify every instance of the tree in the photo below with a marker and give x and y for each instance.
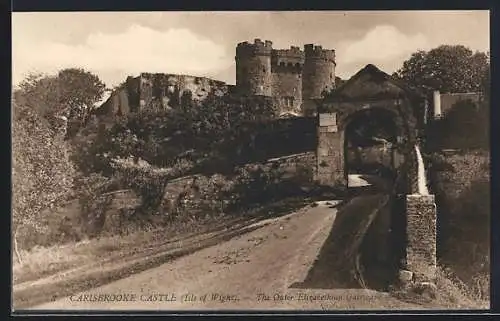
(70, 95)
(79, 91)
(446, 68)
(42, 174)
(486, 83)
(216, 128)
(40, 93)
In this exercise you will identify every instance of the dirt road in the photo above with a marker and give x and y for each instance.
(264, 269)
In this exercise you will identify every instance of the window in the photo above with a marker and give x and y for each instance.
(288, 101)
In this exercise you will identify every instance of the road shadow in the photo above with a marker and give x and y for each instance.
(291, 204)
(357, 221)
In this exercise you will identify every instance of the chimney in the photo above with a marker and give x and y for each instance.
(437, 104)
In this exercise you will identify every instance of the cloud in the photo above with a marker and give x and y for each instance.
(382, 43)
(137, 49)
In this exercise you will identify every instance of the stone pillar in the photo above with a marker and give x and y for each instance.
(330, 152)
(421, 237)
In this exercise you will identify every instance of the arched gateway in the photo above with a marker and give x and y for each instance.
(369, 93)
(400, 113)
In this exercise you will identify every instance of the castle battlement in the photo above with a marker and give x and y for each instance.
(287, 60)
(292, 53)
(317, 52)
(291, 75)
(258, 47)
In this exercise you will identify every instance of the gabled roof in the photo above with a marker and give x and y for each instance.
(372, 83)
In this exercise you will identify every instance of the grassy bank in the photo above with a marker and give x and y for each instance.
(461, 183)
(40, 262)
(44, 261)
(76, 267)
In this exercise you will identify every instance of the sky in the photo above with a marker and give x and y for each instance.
(114, 45)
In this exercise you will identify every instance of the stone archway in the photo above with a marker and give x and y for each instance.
(331, 148)
(371, 153)
(369, 90)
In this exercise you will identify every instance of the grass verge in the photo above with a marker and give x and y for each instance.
(55, 272)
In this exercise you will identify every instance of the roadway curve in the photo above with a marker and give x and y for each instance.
(273, 260)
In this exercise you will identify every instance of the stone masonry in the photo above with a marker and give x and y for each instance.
(421, 237)
(372, 89)
(292, 76)
(329, 156)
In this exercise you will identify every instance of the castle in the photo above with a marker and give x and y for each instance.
(295, 80)
(292, 76)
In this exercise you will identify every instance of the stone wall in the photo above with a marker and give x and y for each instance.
(421, 237)
(159, 91)
(201, 192)
(287, 88)
(318, 72)
(253, 67)
(284, 73)
(168, 90)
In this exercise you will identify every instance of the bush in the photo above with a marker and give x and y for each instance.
(147, 181)
(462, 189)
(448, 132)
(42, 173)
(93, 204)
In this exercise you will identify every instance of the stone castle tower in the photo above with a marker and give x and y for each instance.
(292, 76)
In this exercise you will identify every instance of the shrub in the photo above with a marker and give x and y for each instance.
(462, 189)
(42, 174)
(464, 115)
(147, 181)
(93, 204)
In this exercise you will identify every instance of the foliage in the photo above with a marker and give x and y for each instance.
(220, 128)
(41, 171)
(72, 94)
(40, 93)
(462, 189)
(447, 132)
(447, 69)
(486, 83)
(143, 151)
(79, 91)
(147, 181)
(93, 204)
(227, 119)
(259, 184)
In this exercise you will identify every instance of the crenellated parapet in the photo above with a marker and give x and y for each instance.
(287, 60)
(291, 75)
(294, 53)
(317, 52)
(318, 72)
(258, 47)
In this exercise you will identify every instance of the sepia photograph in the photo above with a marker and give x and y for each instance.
(261, 161)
